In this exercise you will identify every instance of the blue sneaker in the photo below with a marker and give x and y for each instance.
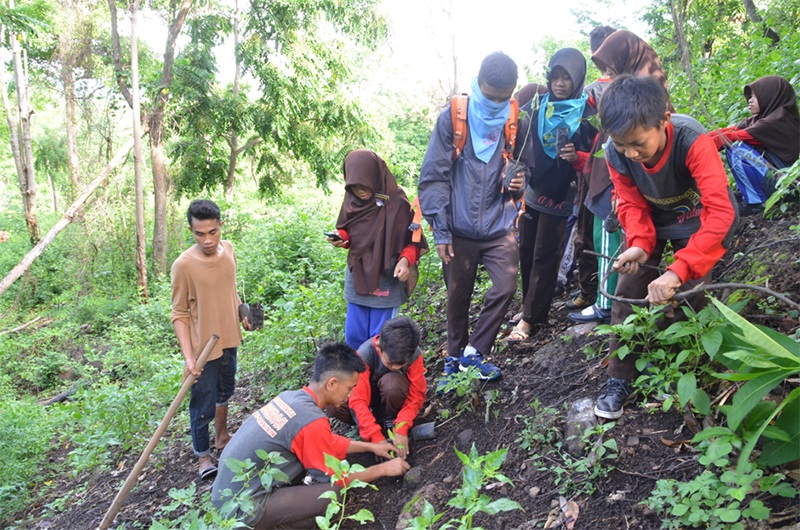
(450, 368)
(488, 371)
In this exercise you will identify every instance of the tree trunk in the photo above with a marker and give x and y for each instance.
(13, 129)
(116, 54)
(67, 62)
(36, 251)
(53, 195)
(141, 261)
(158, 157)
(755, 18)
(28, 180)
(233, 140)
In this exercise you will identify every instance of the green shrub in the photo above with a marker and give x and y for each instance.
(25, 433)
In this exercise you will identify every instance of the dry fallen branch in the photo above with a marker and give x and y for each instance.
(684, 294)
(20, 328)
(36, 251)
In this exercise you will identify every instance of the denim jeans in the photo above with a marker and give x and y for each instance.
(212, 389)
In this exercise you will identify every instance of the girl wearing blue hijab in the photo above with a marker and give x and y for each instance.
(551, 193)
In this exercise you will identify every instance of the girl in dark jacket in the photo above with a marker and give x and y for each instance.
(561, 139)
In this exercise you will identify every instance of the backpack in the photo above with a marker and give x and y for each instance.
(458, 113)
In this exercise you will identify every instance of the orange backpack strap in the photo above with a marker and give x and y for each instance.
(458, 113)
(511, 129)
(416, 224)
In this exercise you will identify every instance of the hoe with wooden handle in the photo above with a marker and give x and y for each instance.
(137, 469)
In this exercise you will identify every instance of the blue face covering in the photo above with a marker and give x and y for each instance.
(486, 120)
(554, 115)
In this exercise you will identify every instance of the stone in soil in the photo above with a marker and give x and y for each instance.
(413, 508)
(413, 477)
(580, 418)
(534, 491)
(463, 439)
(581, 330)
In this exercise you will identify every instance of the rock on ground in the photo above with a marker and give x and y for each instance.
(580, 418)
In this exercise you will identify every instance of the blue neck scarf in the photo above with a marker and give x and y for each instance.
(553, 115)
(486, 120)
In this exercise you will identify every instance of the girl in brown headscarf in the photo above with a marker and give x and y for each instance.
(773, 131)
(622, 52)
(374, 224)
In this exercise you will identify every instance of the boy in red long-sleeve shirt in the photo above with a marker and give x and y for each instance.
(671, 187)
(391, 391)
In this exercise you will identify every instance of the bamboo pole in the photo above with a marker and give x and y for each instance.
(34, 253)
(137, 469)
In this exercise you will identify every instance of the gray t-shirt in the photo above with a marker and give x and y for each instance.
(391, 292)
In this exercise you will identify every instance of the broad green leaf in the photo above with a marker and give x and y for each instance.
(736, 377)
(744, 457)
(752, 359)
(776, 452)
(501, 505)
(679, 510)
(774, 433)
(757, 510)
(730, 515)
(333, 463)
(711, 342)
(330, 494)
(363, 516)
(754, 335)
(750, 394)
(701, 402)
(711, 432)
(687, 384)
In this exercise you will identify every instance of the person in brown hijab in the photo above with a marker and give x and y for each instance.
(622, 52)
(771, 136)
(375, 224)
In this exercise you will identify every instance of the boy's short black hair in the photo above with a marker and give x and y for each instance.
(631, 102)
(498, 70)
(598, 35)
(202, 209)
(399, 339)
(336, 358)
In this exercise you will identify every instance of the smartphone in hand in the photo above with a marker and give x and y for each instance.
(334, 236)
(562, 138)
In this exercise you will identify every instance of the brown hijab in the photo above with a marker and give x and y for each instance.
(378, 227)
(777, 125)
(624, 53)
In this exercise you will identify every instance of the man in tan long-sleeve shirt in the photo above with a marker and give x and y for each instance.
(205, 302)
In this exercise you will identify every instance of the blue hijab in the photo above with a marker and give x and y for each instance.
(486, 121)
(566, 113)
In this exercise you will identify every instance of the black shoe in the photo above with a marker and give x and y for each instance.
(559, 290)
(593, 313)
(746, 210)
(613, 396)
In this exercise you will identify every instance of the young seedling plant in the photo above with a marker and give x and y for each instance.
(341, 471)
(392, 436)
(478, 471)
